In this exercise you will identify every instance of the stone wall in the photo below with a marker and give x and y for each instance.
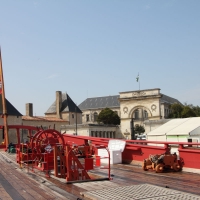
(12, 135)
(144, 100)
(91, 114)
(93, 130)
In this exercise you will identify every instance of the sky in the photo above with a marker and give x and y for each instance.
(94, 48)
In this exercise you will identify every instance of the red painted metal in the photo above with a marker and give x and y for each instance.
(2, 146)
(44, 148)
(89, 163)
(75, 170)
(135, 150)
(190, 157)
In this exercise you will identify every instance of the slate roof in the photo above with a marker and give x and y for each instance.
(11, 110)
(100, 102)
(167, 99)
(112, 102)
(67, 105)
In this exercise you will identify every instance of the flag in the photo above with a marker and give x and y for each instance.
(137, 78)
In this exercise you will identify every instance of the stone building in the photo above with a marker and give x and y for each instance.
(136, 106)
(91, 107)
(44, 122)
(63, 115)
(62, 112)
(64, 108)
(93, 130)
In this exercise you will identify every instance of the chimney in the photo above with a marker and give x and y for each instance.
(29, 109)
(58, 103)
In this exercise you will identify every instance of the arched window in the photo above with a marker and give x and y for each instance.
(95, 116)
(145, 114)
(87, 118)
(136, 114)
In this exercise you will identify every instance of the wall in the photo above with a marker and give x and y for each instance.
(72, 118)
(11, 120)
(67, 116)
(148, 100)
(90, 129)
(91, 114)
(45, 124)
(165, 111)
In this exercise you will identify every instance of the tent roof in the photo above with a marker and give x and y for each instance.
(177, 127)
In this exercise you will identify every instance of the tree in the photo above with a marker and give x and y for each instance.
(184, 111)
(108, 116)
(176, 110)
(197, 110)
(188, 112)
(138, 129)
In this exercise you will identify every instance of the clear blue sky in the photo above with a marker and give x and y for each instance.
(91, 48)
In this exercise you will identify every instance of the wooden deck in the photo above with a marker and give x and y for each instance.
(123, 175)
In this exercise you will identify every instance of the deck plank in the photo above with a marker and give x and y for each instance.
(125, 175)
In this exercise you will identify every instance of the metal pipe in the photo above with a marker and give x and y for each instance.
(76, 120)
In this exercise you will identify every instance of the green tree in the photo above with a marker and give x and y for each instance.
(184, 111)
(108, 116)
(188, 112)
(197, 110)
(176, 110)
(138, 129)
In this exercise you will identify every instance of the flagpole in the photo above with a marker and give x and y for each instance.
(139, 84)
(2, 91)
(138, 80)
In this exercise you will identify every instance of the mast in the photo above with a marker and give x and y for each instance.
(2, 92)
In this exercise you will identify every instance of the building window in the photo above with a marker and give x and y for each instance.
(103, 134)
(95, 116)
(145, 114)
(136, 114)
(96, 134)
(87, 118)
(92, 133)
(72, 115)
(167, 112)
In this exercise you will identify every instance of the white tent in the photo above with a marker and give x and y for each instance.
(177, 130)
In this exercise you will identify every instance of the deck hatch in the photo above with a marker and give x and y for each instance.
(143, 191)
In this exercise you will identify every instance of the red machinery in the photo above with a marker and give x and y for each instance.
(48, 151)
